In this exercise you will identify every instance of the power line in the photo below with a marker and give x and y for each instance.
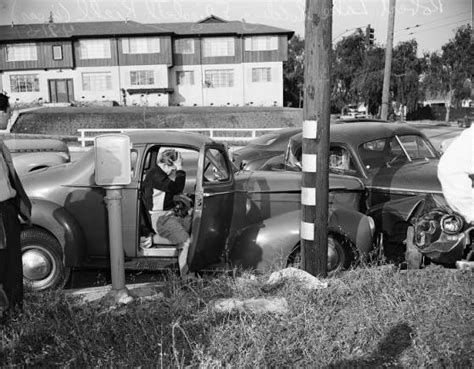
(434, 21)
(440, 26)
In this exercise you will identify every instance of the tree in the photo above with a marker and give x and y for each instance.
(449, 72)
(293, 73)
(348, 63)
(406, 69)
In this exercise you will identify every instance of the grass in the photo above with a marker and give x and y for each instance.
(366, 318)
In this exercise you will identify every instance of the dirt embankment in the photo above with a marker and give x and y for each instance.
(66, 121)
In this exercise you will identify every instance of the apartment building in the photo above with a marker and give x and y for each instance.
(212, 62)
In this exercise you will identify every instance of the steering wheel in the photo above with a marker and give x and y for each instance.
(395, 159)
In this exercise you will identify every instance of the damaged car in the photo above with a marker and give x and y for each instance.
(241, 219)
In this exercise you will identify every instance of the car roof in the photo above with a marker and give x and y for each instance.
(360, 132)
(151, 136)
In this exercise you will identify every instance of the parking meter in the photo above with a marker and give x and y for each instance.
(112, 160)
(113, 171)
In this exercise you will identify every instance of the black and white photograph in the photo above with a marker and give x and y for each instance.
(236, 184)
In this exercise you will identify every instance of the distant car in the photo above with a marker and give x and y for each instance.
(394, 161)
(258, 151)
(240, 218)
(30, 154)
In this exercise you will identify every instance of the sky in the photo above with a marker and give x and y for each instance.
(430, 22)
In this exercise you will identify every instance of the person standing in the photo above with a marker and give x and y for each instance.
(456, 174)
(14, 204)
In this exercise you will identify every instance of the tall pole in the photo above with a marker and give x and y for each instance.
(388, 61)
(316, 116)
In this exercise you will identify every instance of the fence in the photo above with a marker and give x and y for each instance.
(230, 135)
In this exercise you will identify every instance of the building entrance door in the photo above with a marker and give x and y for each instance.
(60, 90)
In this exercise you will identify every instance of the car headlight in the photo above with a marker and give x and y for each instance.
(451, 223)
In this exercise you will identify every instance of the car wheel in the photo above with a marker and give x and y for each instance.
(340, 256)
(413, 257)
(43, 266)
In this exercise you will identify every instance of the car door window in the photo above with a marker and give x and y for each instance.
(215, 166)
(341, 161)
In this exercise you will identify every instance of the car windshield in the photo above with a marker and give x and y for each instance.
(395, 151)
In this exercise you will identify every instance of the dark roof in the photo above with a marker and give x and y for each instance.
(207, 26)
(357, 133)
(18, 32)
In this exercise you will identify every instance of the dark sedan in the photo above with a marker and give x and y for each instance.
(394, 161)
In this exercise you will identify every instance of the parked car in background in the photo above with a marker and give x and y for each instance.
(394, 161)
(256, 153)
(30, 154)
(240, 218)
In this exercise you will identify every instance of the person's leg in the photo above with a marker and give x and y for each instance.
(173, 228)
(11, 271)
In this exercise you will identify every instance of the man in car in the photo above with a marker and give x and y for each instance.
(456, 174)
(13, 204)
(165, 181)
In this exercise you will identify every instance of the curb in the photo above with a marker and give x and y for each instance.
(93, 294)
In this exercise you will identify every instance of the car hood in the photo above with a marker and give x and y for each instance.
(418, 177)
(285, 181)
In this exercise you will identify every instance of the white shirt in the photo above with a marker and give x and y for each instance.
(454, 170)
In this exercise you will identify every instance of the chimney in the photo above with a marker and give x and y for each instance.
(51, 20)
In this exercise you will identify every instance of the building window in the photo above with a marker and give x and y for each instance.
(21, 52)
(219, 46)
(57, 52)
(185, 77)
(24, 83)
(261, 43)
(95, 49)
(142, 77)
(97, 81)
(261, 75)
(184, 46)
(140, 45)
(219, 78)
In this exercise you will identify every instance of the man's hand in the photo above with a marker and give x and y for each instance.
(178, 163)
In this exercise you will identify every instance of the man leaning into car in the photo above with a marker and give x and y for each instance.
(13, 204)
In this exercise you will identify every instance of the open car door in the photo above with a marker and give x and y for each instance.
(213, 207)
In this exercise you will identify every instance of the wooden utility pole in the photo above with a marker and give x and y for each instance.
(388, 61)
(316, 116)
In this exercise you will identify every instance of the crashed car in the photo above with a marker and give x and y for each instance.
(394, 162)
(30, 154)
(436, 233)
(240, 218)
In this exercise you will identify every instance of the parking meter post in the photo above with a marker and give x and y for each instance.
(113, 199)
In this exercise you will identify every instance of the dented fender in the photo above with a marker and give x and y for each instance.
(267, 245)
(63, 226)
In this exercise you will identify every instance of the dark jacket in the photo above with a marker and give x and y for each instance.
(157, 179)
(22, 202)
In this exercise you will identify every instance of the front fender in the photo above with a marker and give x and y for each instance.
(267, 245)
(63, 226)
(28, 162)
(388, 214)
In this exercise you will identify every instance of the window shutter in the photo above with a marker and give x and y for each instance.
(248, 44)
(125, 46)
(274, 43)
